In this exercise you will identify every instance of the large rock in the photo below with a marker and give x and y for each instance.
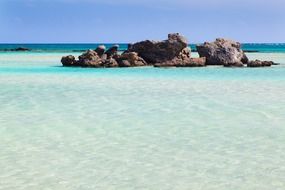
(223, 52)
(258, 63)
(158, 52)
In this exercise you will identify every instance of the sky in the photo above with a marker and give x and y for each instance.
(115, 21)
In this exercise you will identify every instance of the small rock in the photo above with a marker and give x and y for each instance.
(68, 61)
(258, 63)
(21, 49)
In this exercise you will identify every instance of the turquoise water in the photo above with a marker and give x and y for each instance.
(140, 128)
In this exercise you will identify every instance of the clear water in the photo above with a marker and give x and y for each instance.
(140, 128)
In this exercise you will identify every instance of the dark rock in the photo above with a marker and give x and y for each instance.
(258, 63)
(158, 52)
(21, 49)
(100, 50)
(68, 61)
(112, 51)
(244, 59)
(130, 59)
(222, 52)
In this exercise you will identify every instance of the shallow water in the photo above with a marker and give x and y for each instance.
(140, 128)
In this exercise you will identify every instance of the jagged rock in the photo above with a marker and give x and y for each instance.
(113, 51)
(223, 52)
(100, 50)
(130, 59)
(158, 52)
(68, 61)
(258, 63)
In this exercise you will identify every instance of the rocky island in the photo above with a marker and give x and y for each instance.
(173, 52)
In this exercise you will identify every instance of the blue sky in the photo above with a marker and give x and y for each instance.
(49, 21)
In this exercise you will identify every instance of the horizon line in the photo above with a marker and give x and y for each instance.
(51, 43)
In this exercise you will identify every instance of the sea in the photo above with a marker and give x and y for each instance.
(144, 128)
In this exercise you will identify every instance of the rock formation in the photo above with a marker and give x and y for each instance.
(100, 58)
(173, 52)
(223, 52)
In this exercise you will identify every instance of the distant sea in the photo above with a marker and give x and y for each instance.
(269, 47)
(211, 128)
